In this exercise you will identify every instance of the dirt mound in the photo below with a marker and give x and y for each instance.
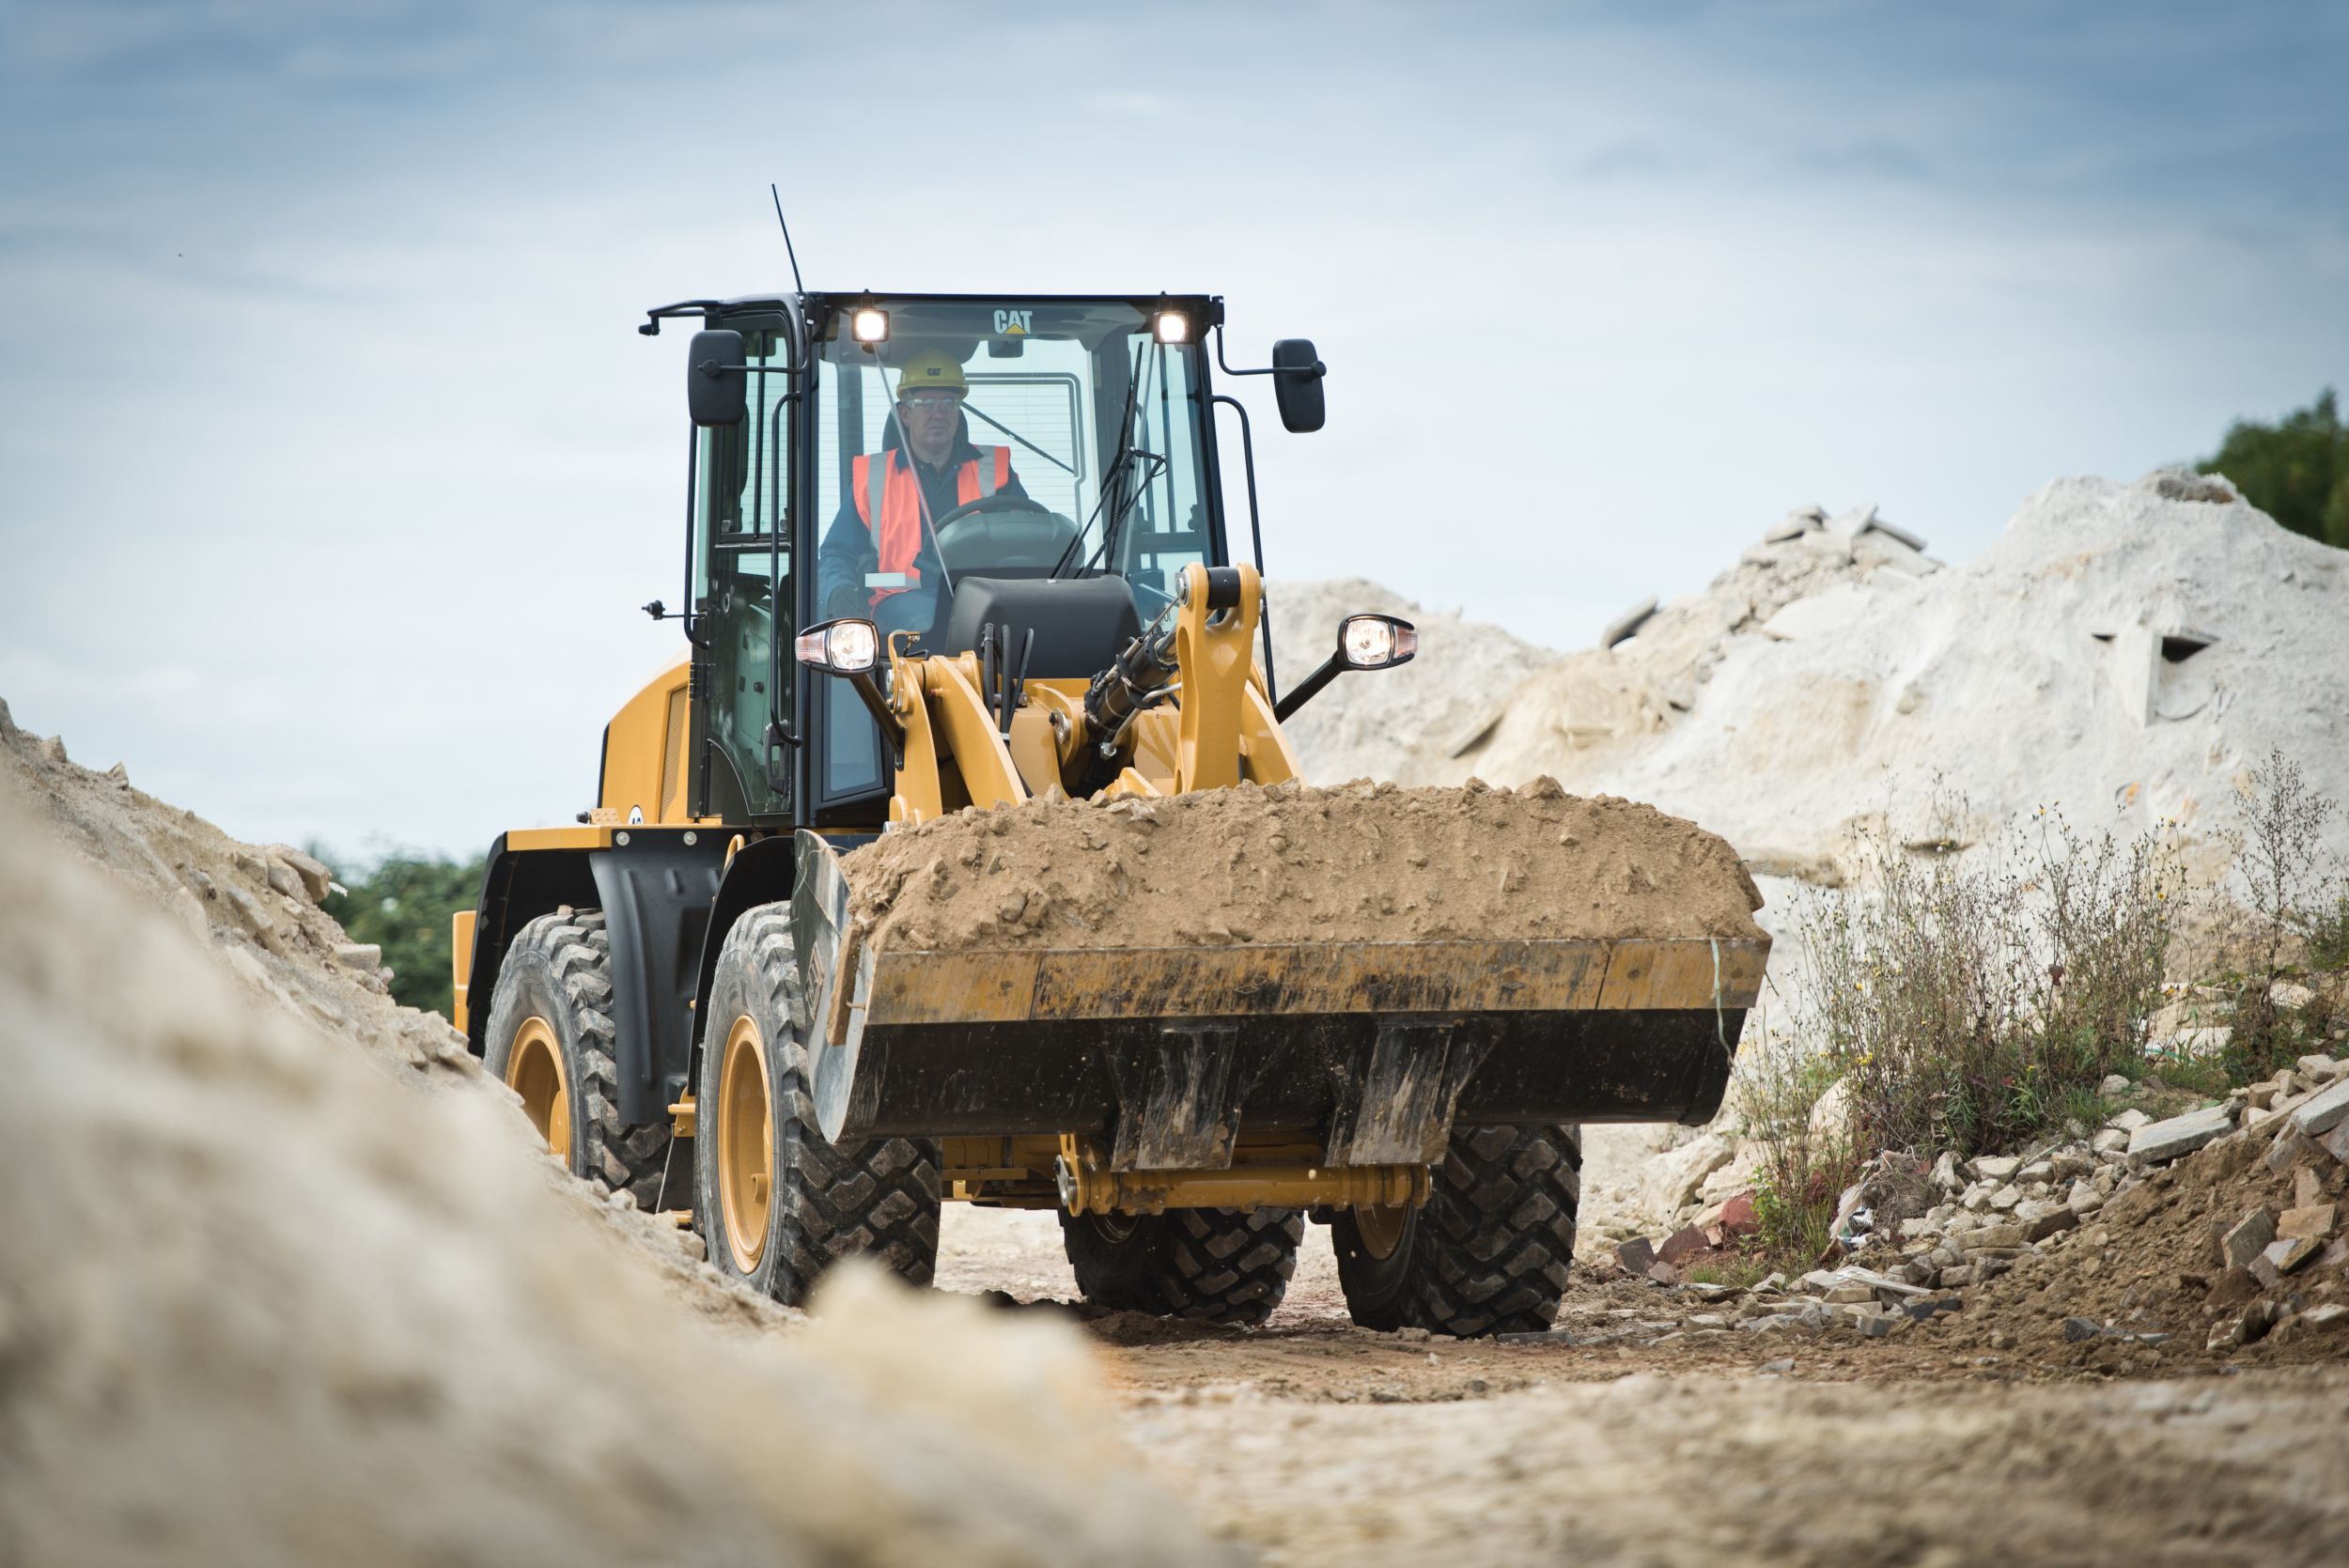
(256, 906)
(259, 1303)
(1293, 863)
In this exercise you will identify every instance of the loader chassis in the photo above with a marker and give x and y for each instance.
(1404, 1090)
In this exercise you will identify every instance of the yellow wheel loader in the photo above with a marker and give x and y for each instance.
(949, 556)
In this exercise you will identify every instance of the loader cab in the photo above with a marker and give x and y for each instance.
(935, 463)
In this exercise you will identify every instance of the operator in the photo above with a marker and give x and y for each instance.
(893, 572)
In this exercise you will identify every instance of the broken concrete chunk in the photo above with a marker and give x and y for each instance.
(2323, 1113)
(2280, 1258)
(281, 880)
(2316, 1220)
(2294, 1147)
(366, 957)
(1627, 625)
(1992, 1239)
(251, 918)
(316, 881)
(2158, 1142)
(1996, 1168)
(2130, 1120)
(2248, 1238)
(1637, 1256)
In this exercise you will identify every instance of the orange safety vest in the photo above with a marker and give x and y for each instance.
(899, 536)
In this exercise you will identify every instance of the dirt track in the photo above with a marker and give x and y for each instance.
(1317, 1442)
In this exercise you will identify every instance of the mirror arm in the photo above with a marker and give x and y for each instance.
(707, 309)
(891, 731)
(1308, 687)
(1313, 372)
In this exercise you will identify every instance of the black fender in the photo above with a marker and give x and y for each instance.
(761, 872)
(657, 887)
(657, 894)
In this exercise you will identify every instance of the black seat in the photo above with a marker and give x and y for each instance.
(1081, 623)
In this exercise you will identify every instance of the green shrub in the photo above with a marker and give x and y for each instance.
(1806, 1154)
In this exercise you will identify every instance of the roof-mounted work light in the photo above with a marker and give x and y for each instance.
(1170, 326)
(870, 324)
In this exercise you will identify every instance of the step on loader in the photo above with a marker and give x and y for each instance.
(960, 583)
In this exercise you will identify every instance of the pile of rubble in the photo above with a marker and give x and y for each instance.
(2265, 1247)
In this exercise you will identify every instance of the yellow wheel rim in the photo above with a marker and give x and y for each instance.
(746, 1164)
(1380, 1228)
(534, 1070)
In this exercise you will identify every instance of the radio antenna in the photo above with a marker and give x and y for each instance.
(797, 286)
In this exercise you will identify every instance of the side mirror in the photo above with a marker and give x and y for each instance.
(1364, 642)
(1296, 373)
(716, 390)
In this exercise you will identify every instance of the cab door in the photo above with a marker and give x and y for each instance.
(743, 690)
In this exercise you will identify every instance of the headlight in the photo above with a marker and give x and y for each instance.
(848, 648)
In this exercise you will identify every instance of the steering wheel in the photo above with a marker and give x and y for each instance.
(1002, 531)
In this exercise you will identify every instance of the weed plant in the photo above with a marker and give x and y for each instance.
(2290, 926)
(1971, 1003)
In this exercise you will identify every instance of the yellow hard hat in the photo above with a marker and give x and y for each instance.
(931, 369)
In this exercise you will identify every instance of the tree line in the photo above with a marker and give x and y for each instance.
(2295, 469)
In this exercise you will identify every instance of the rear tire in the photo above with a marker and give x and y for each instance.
(549, 1038)
(1489, 1252)
(1209, 1265)
(776, 1203)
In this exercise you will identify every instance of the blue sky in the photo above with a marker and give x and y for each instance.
(332, 469)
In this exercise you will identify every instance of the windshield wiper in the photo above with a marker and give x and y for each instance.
(1153, 465)
(1111, 476)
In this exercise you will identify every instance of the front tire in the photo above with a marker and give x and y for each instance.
(550, 1039)
(777, 1203)
(1209, 1265)
(1489, 1252)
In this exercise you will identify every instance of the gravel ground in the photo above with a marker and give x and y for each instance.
(1312, 1441)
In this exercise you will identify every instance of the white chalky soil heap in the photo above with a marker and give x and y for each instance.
(2125, 652)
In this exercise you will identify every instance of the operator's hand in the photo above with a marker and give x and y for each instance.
(847, 599)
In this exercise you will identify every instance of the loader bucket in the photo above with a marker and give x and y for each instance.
(1165, 1052)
